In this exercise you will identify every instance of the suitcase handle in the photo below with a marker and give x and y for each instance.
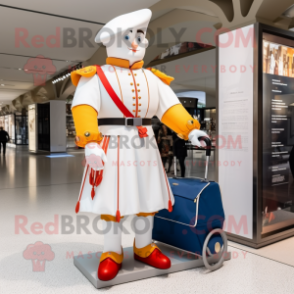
(208, 144)
(208, 153)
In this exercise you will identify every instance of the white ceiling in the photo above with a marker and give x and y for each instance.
(14, 80)
(42, 18)
(99, 11)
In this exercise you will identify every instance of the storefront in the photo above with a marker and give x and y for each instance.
(16, 126)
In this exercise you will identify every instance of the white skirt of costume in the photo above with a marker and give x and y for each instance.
(134, 179)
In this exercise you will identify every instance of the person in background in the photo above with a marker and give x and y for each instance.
(180, 151)
(170, 153)
(164, 144)
(4, 138)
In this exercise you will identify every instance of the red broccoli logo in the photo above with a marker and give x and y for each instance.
(38, 253)
(40, 67)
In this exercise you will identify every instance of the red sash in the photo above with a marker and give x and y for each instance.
(142, 130)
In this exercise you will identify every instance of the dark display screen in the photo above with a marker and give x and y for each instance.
(278, 134)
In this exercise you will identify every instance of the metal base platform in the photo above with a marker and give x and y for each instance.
(133, 270)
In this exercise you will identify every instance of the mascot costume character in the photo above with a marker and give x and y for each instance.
(124, 174)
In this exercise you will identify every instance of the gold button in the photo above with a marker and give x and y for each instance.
(138, 84)
(139, 110)
(134, 104)
(139, 104)
(135, 74)
(139, 97)
(87, 134)
(133, 90)
(134, 97)
(138, 116)
(134, 110)
(138, 90)
(131, 84)
(129, 74)
(217, 247)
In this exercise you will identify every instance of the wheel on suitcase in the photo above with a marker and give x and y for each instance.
(220, 256)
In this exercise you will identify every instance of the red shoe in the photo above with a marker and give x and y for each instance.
(152, 255)
(110, 264)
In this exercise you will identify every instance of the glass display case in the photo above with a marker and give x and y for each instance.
(256, 134)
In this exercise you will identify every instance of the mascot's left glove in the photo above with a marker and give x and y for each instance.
(94, 155)
(194, 137)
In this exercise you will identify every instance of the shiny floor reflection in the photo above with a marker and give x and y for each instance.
(19, 168)
(38, 197)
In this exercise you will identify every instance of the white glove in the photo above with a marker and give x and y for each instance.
(94, 155)
(194, 135)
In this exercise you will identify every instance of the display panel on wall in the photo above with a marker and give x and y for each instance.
(32, 128)
(278, 133)
(11, 127)
(235, 165)
(21, 130)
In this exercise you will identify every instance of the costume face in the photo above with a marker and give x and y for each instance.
(129, 45)
(124, 36)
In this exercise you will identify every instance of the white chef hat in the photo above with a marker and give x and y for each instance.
(136, 19)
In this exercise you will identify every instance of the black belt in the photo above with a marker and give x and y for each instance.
(125, 121)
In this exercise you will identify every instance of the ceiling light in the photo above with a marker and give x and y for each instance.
(2, 85)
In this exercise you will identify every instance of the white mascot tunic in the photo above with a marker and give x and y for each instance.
(134, 174)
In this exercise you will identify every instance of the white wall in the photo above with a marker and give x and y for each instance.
(236, 122)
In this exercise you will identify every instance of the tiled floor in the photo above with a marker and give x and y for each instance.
(34, 188)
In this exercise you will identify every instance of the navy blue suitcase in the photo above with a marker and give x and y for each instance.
(195, 224)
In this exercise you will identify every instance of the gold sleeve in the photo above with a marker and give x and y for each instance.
(86, 124)
(180, 121)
